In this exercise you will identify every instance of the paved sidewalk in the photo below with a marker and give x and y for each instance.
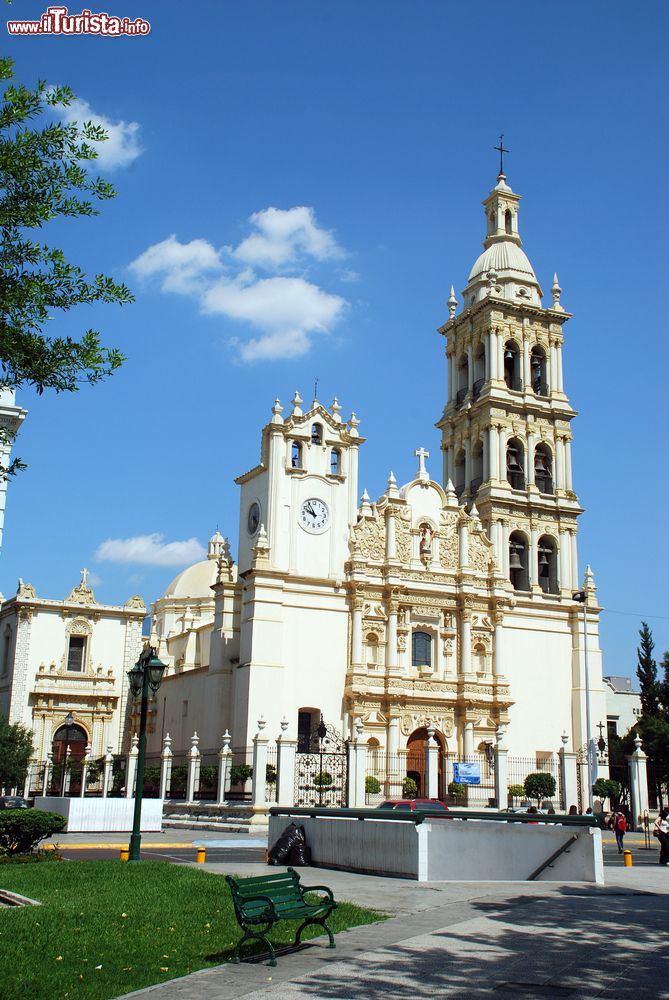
(468, 940)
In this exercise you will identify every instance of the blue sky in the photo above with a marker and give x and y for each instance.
(299, 185)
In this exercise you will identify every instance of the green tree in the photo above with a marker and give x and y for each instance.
(607, 788)
(646, 671)
(16, 750)
(44, 175)
(540, 785)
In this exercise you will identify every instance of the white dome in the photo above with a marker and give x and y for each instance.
(507, 259)
(196, 581)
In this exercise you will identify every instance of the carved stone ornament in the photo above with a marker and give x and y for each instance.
(81, 594)
(401, 643)
(369, 539)
(135, 603)
(26, 590)
(402, 539)
(449, 548)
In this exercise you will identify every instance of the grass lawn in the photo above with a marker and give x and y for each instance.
(106, 928)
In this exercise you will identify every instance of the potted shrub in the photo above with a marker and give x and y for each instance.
(539, 786)
(515, 792)
(409, 789)
(457, 792)
(372, 786)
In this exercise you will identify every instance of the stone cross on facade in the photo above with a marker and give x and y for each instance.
(421, 455)
(84, 577)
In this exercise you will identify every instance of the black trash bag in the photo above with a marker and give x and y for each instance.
(300, 855)
(290, 838)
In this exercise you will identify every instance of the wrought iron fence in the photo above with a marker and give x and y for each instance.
(520, 767)
(241, 772)
(207, 790)
(271, 773)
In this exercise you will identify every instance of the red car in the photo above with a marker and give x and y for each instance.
(428, 805)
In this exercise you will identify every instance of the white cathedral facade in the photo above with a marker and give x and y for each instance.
(443, 603)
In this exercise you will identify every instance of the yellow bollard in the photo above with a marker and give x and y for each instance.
(123, 854)
(627, 859)
(201, 856)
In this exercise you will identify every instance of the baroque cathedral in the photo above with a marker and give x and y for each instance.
(446, 603)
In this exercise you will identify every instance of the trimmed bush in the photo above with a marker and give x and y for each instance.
(607, 788)
(322, 778)
(516, 792)
(22, 829)
(540, 785)
(457, 789)
(372, 785)
(409, 788)
(239, 773)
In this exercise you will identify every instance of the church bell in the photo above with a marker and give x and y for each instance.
(514, 560)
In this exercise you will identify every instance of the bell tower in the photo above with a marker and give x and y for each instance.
(506, 427)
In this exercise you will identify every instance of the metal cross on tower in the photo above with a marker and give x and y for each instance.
(502, 151)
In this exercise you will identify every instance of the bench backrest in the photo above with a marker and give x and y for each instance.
(283, 889)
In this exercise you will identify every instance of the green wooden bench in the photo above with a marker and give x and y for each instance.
(265, 899)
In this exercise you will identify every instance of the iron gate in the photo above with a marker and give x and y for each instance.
(321, 769)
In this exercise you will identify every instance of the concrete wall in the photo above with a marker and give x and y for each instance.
(450, 850)
(106, 815)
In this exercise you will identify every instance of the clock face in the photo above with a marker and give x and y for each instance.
(314, 515)
(253, 521)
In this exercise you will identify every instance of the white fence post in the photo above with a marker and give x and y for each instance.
(47, 773)
(85, 762)
(193, 769)
(431, 765)
(259, 774)
(26, 786)
(68, 772)
(285, 766)
(107, 777)
(568, 776)
(501, 759)
(166, 767)
(224, 767)
(638, 784)
(131, 769)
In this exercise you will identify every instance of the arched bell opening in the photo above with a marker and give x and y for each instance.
(518, 561)
(463, 379)
(459, 471)
(548, 565)
(543, 469)
(515, 464)
(479, 370)
(512, 366)
(477, 467)
(538, 371)
(508, 223)
(296, 455)
(317, 434)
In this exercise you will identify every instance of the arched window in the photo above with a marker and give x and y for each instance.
(459, 469)
(421, 649)
(515, 464)
(543, 468)
(479, 371)
(372, 651)
(547, 560)
(518, 561)
(480, 658)
(296, 455)
(508, 222)
(538, 371)
(316, 434)
(477, 467)
(463, 379)
(512, 366)
(5, 651)
(335, 462)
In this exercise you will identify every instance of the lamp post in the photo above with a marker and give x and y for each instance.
(582, 598)
(146, 674)
(69, 720)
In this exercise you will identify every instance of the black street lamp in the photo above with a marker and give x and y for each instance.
(147, 673)
(68, 722)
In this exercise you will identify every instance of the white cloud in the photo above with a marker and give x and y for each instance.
(283, 235)
(122, 145)
(182, 266)
(283, 309)
(94, 580)
(150, 550)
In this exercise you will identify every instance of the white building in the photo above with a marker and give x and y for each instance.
(623, 705)
(440, 603)
(68, 656)
(11, 418)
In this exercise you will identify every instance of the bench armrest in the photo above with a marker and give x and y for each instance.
(241, 904)
(317, 888)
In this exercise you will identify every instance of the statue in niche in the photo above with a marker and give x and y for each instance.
(425, 546)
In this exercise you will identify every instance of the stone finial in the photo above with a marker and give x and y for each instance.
(261, 547)
(135, 744)
(167, 743)
(564, 738)
(359, 728)
(353, 424)
(637, 744)
(475, 518)
(262, 722)
(589, 584)
(556, 292)
(391, 488)
(284, 725)
(365, 504)
(194, 740)
(226, 740)
(452, 304)
(421, 455)
(297, 402)
(277, 410)
(500, 736)
(335, 410)
(450, 491)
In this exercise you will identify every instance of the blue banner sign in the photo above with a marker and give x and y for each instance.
(467, 774)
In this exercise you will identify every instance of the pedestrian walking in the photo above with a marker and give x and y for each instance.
(661, 831)
(618, 824)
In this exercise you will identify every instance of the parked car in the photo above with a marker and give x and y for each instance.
(14, 802)
(428, 805)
